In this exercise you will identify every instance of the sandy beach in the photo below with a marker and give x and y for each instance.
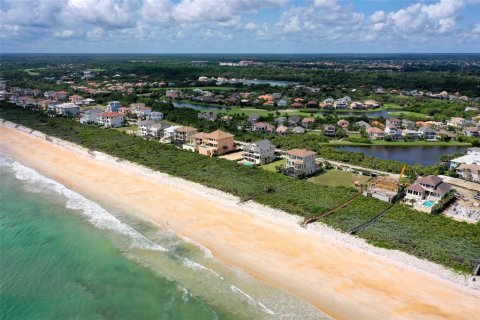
(341, 275)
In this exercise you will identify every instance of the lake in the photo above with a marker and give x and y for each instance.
(272, 83)
(424, 155)
(197, 107)
(373, 113)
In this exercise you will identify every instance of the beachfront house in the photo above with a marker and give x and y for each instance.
(259, 152)
(110, 119)
(425, 192)
(90, 116)
(69, 109)
(157, 130)
(469, 172)
(144, 127)
(183, 133)
(300, 162)
(217, 143)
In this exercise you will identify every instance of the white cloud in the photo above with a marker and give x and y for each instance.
(64, 33)
(250, 26)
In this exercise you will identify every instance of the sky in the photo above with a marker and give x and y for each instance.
(239, 26)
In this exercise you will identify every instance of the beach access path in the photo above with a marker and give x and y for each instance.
(340, 279)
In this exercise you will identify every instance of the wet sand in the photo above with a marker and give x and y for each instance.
(342, 281)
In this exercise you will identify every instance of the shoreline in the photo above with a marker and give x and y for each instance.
(350, 290)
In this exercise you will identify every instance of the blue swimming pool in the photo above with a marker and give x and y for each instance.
(428, 203)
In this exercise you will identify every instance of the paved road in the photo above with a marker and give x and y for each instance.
(343, 164)
(461, 183)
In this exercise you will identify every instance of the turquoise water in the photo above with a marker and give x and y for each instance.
(65, 257)
(428, 203)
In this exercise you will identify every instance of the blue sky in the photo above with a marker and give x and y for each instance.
(239, 26)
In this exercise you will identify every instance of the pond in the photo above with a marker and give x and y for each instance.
(272, 83)
(197, 107)
(424, 155)
(373, 113)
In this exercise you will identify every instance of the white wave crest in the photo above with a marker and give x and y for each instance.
(240, 291)
(205, 250)
(97, 216)
(197, 266)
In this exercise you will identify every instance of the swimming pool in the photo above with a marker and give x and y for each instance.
(428, 204)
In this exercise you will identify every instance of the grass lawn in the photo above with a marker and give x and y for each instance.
(408, 114)
(271, 166)
(338, 178)
(132, 127)
(210, 88)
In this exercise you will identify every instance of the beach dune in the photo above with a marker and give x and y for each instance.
(341, 280)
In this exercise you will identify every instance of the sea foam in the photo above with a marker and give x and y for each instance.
(97, 216)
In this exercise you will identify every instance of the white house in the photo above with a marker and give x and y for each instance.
(472, 157)
(69, 109)
(144, 127)
(155, 115)
(259, 152)
(110, 119)
(90, 116)
(427, 133)
(88, 102)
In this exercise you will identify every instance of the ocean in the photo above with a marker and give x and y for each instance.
(63, 256)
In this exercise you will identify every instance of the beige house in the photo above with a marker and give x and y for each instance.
(375, 133)
(301, 161)
(424, 193)
(470, 172)
(182, 134)
(216, 143)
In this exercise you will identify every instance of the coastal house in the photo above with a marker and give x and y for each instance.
(329, 130)
(308, 122)
(383, 188)
(294, 120)
(76, 99)
(144, 127)
(299, 130)
(469, 172)
(88, 102)
(312, 104)
(427, 133)
(263, 127)
(155, 115)
(397, 123)
(472, 157)
(410, 134)
(340, 104)
(393, 131)
(375, 133)
(362, 125)
(173, 94)
(90, 116)
(113, 106)
(281, 130)
(425, 192)
(140, 110)
(259, 152)
(60, 95)
(356, 105)
(300, 162)
(280, 120)
(157, 130)
(210, 116)
(253, 118)
(110, 119)
(371, 104)
(69, 109)
(217, 143)
(343, 124)
(471, 132)
(457, 122)
(183, 133)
